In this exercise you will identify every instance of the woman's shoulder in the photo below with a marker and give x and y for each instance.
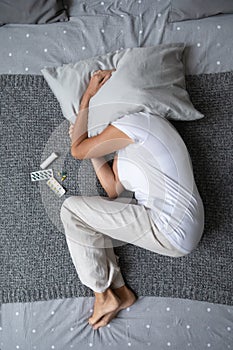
(136, 125)
(143, 124)
(135, 120)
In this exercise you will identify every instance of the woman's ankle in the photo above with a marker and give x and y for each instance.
(120, 289)
(102, 295)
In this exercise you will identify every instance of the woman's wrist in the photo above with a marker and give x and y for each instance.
(85, 100)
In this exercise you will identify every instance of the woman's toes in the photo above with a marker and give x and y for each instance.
(105, 320)
(102, 323)
(92, 320)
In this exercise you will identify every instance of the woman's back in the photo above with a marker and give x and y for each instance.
(158, 168)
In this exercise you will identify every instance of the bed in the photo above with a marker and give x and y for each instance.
(35, 316)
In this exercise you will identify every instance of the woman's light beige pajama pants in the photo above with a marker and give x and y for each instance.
(91, 223)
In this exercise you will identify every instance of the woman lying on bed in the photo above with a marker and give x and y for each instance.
(167, 217)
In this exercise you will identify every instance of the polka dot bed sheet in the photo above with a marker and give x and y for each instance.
(152, 322)
(116, 25)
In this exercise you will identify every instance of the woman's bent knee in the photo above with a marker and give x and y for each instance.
(64, 209)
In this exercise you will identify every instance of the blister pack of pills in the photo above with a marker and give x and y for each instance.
(56, 187)
(41, 175)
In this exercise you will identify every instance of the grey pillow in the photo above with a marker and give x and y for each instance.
(146, 79)
(182, 10)
(32, 11)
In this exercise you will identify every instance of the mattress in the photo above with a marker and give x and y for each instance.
(97, 27)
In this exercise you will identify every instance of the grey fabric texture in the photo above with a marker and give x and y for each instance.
(32, 11)
(160, 88)
(36, 261)
(117, 24)
(151, 323)
(182, 10)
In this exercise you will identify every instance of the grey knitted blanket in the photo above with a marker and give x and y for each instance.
(35, 261)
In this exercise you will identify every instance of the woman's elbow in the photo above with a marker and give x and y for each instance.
(75, 152)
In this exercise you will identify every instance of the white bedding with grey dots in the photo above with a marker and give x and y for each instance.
(97, 27)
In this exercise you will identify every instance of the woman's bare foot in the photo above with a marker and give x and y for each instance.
(127, 298)
(106, 319)
(104, 303)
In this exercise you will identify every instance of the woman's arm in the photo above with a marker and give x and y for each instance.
(109, 140)
(105, 174)
(79, 132)
(106, 177)
(80, 126)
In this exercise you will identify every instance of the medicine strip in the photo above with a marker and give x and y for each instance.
(56, 187)
(41, 175)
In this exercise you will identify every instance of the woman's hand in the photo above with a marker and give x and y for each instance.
(97, 80)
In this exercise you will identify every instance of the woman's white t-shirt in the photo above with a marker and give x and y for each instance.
(158, 169)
